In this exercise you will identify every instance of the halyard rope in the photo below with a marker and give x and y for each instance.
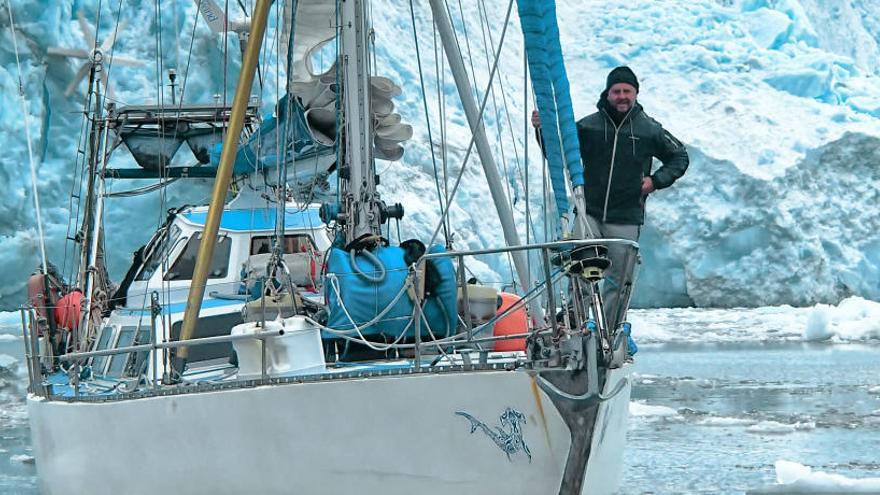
(27, 131)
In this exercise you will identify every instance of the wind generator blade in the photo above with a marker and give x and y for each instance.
(77, 78)
(86, 30)
(213, 14)
(67, 52)
(107, 46)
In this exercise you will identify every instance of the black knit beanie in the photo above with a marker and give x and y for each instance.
(622, 74)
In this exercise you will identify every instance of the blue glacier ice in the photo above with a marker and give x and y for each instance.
(778, 102)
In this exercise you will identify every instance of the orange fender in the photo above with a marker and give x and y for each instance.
(517, 321)
(69, 311)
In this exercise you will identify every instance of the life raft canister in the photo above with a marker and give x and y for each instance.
(517, 321)
(69, 311)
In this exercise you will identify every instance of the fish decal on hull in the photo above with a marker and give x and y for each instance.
(508, 437)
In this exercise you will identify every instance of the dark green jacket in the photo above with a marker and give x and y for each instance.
(617, 157)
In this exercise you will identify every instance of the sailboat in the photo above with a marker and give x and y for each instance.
(267, 344)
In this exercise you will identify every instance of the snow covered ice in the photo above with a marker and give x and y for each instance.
(776, 100)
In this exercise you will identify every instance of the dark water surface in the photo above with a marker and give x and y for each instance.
(733, 409)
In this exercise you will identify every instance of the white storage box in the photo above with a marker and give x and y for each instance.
(298, 352)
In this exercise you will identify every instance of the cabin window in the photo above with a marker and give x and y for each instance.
(118, 361)
(158, 251)
(294, 243)
(209, 326)
(99, 362)
(185, 264)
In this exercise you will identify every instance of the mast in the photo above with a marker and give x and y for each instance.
(360, 203)
(496, 189)
(85, 235)
(94, 248)
(224, 176)
(88, 235)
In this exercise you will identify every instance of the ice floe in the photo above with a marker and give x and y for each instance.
(795, 478)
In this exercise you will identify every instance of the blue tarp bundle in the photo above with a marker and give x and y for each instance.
(550, 82)
(364, 299)
(261, 149)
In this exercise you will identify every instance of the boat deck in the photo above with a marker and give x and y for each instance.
(60, 387)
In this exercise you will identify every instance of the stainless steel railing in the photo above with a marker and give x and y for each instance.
(544, 291)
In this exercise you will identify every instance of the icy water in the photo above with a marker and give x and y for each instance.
(719, 397)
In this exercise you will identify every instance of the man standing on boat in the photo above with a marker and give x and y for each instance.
(618, 145)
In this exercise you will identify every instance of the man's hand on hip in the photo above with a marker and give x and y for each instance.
(647, 186)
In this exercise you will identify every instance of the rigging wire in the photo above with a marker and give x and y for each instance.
(504, 104)
(27, 132)
(165, 285)
(497, 126)
(130, 193)
(225, 51)
(467, 44)
(164, 180)
(280, 142)
(440, 69)
(428, 121)
(526, 163)
(499, 140)
(479, 121)
(76, 191)
(519, 168)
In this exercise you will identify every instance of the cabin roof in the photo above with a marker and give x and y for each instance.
(258, 219)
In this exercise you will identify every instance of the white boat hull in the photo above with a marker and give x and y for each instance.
(379, 435)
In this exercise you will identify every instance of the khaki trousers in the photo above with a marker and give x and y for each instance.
(620, 274)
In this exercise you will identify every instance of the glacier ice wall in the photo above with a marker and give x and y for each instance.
(777, 100)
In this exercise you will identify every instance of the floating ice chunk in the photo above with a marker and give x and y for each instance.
(819, 324)
(22, 459)
(726, 421)
(777, 428)
(771, 427)
(792, 477)
(5, 337)
(855, 318)
(789, 472)
(640, 409)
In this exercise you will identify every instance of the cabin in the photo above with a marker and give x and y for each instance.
(163, 273)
